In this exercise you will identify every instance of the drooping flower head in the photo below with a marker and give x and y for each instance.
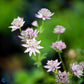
(32, 47)
(44, 14)
(62, 77)
(52, 65)
(58, 45)
(17, 23)
(77, 69)
(59, 29)
(29, 33)
(34, 23)
(82, 64)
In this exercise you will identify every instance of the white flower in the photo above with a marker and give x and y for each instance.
(52, 65)
(77, 69)
(32, 47)
(17, 23)
(62, 77)
(44, 14)
(59, 29)
(28, 34)
(58, 45)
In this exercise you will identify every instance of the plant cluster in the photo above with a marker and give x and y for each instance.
(33, 46)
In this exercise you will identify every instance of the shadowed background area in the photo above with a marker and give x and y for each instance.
(17, 67)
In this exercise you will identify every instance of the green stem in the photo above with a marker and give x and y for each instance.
(41, 28)
(40, 33)
(58, 38)
(42, 23)
(61, 60)
(20, 30)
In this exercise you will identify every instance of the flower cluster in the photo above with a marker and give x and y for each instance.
(58, 45)
(62, 77)
(32, 46)
(29, 34)
(77, 69)
(52, 65)
(17, 23)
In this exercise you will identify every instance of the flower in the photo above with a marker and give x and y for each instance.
(62, 77)
(29, 33)
(17, 23)
(52, 65)
(32, 46)
(59, 29)
(82, 64)
(34, 23)
(77, 69)
(58, 45)
(44, 14)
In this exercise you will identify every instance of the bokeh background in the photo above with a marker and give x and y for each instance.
(17, 67)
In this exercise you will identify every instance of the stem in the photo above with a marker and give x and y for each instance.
(42, 23)
(41, 28)
(61, 60)
(20, 30)
(58, 38)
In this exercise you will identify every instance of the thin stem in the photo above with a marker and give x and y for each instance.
(20, 30)
(58, 38)
(61, 60)
(42, 23)
(38, 27)
(41, 28)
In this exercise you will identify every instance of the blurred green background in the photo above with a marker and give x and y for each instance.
(19, 68)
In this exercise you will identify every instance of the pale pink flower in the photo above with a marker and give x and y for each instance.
(82, 64)
(44, 14)
(32, 47)
(58, 45)
(17, 23)
(52, 65)
(59, 29)
(62, 77)
(77, 69)
(34, 23)
(29, 33)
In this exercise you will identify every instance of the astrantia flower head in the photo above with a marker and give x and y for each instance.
(58, 45)
(59, 29)
(17, 23)
(52, 65)
(44, 14)
(29, 33)
(32, 47)
(77, 69)
(34, 23)
(62, 77)
(82, 64)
